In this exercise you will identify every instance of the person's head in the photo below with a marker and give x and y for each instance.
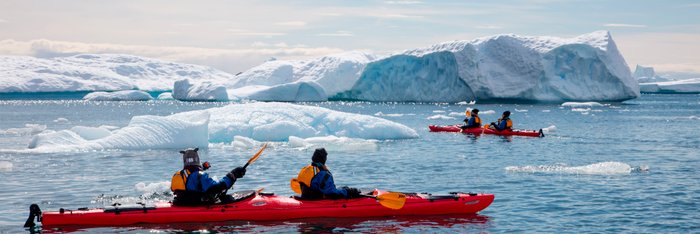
(506, 113)
(319, 156)
(475, 111)
(190, 158)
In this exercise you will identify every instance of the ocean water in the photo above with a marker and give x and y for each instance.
(620, 167)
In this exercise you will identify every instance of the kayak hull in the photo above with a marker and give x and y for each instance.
(456, 128)
(262, 207)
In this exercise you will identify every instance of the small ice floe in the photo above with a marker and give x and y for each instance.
(602, 168)
(438, 111)
(387, 115)
(440, 117)
(546, 111)
(334, 143)
(467, 103)
(581, 104)
(61, 121)
(549, 129)
(519, 110)
(165, 96)
(5, 166)
(28, 129)
(241, 142)
(124, 95)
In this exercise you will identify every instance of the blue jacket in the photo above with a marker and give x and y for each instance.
(501, 125)
(472, 123)
(323, 181)
(199, 181)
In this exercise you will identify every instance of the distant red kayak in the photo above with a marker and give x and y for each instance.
(253, 206)
(516, 132)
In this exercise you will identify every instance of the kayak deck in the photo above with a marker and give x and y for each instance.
(476, 131)
(268, 207)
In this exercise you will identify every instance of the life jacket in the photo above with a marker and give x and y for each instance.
(179, 180)
(509, 123)
(477, 120)
(306, 175)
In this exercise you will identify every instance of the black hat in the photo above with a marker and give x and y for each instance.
(506, 113)
(475, 111)
(320, 156)
(190, 157)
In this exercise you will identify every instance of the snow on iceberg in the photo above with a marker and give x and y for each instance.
(504, 67)
(244, 123)
(143, 132)
(124, 95)
(185, 90)
(335, 73)
(298, 91)
(97, 72)
(678, 86)
(28, 129)
(277, 121)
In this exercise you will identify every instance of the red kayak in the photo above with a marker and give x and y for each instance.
(456, 128)
(254, 206)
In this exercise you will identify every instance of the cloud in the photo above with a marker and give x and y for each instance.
(625, 25)
(292, 23)
(398, 16)
(229, 60)
(3, 21)
(336, 34)
(488, 27)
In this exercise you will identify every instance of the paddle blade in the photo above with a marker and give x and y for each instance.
(256, 156)
(296, 187)
(392, 200)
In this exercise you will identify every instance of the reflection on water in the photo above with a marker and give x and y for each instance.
(321, 225)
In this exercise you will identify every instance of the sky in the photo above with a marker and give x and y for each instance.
(236, 35)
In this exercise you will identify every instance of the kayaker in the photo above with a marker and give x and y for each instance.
(193, 186)
(472, 121)
(503, 123)
(316, 181)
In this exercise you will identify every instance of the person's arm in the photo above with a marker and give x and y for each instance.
(210, 185)
(327, 186)
(502, 125)
(472, 122)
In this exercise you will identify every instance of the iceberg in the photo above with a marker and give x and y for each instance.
(335, 73)
(244, 123)
(185, 90)
(504, 67)
(97, 72)
(165, 96)
(647, 74)
(333, 143)
(142, 132)
(677, 86)
(124, 95)
(299, 91)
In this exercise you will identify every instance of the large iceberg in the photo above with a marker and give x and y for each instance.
(504, 67)
(257, 121)
(97, 72)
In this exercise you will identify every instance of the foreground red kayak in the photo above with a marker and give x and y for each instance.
(456, 128)
(254, 206)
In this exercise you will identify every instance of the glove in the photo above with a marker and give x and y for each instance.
(353, 192)
(236, 173)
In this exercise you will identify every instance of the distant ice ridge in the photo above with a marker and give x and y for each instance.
(504, 67)
(602, 168)
(28, 129)
(678, 86)
(647, 74)
(243, 123)
(97, 72)
(124, 95)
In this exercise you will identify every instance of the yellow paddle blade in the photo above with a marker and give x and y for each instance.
(392, 200)
(296, 187)
(257, 155)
